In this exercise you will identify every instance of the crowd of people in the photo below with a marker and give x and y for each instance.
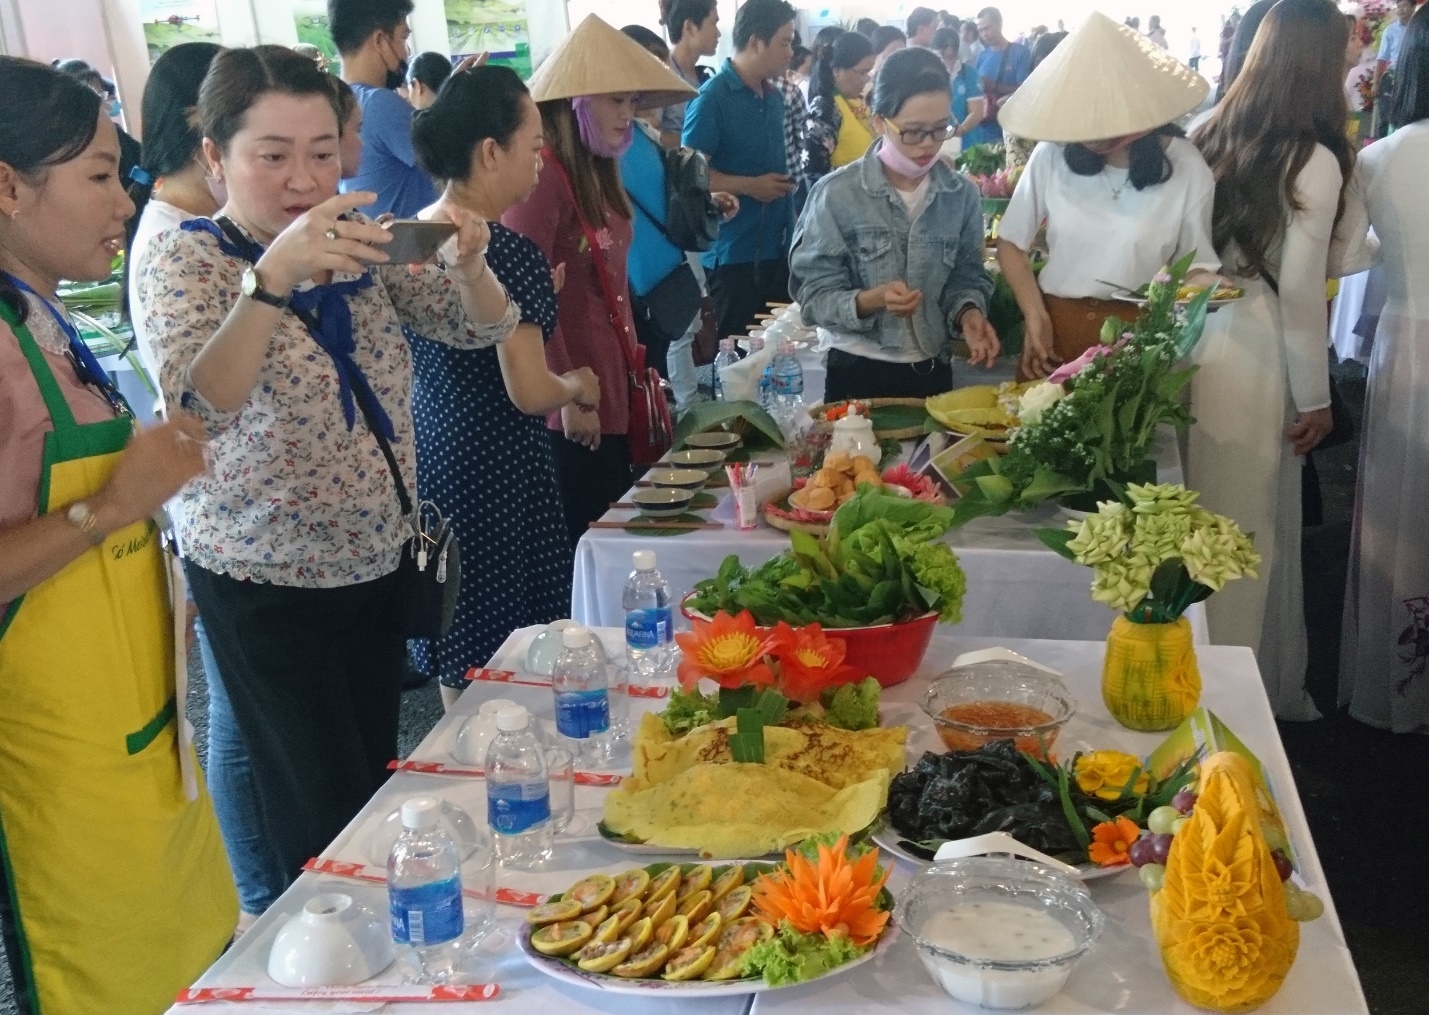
(313, 390)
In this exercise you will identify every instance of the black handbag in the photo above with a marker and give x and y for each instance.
(431, 559)
(671, 307)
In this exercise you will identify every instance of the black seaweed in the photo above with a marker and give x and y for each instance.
(992, 789)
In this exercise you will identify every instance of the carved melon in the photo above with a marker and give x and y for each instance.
(1220, 919)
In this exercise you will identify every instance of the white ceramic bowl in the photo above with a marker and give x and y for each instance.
(334, 942)
(475, 733)
(662, 503)
(678, 479)
(455, 821)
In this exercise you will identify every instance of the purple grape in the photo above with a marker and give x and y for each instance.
(1141, 850)
(1161, 848)
(1283, 867)
(1184, 801)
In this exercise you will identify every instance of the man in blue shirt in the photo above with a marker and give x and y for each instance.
(737, 121)
(371, 38)
(1001, 67)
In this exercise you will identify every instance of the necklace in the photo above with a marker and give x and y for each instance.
(1115, 188)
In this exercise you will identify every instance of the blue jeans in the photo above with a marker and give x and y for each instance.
(680, 362)
(256, 868)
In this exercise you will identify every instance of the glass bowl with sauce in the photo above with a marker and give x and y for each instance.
(999, 699)
(997, 931)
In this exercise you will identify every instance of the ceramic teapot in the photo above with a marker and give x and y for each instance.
(854, 435)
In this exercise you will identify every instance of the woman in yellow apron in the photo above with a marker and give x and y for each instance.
(114, 889)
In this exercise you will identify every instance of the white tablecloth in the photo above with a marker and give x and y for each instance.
(1123, 974)
(1017, 588)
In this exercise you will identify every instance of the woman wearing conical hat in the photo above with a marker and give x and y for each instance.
(1120, 189)
(588, 91)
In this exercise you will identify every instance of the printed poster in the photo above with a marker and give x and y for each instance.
(497, 27)
(310, 17)
(167, 23)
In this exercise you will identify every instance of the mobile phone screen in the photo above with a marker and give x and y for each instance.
(414, 241)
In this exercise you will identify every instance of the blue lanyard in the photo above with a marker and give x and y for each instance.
(86, 366)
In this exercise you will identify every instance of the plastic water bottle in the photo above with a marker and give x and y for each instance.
(518, 793)
(649, 622)
(788, 385)
(424, 894)
(582, 688)
(728, 355)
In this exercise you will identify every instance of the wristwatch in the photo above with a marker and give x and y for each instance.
(81, 517)
(252, 287)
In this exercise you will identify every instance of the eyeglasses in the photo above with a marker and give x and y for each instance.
(912, 137)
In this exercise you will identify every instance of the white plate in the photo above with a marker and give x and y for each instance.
(1127, 296)
(559, 970)
(650, 849)
(888, 840)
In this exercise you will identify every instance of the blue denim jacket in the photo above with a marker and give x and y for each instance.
(854, 234)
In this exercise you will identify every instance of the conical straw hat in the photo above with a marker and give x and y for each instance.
(1105, 80)
(596, 59)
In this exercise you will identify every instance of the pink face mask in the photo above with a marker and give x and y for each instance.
(890, 156)
(591, 134)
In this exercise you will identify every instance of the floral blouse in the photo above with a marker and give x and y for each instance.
(292, 496)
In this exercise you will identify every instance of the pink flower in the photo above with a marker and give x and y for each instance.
(603, 239)
(1067, 371)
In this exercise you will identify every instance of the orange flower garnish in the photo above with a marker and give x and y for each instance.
(728, 650)
(834, 897)
(809, 661)
(1111, 841)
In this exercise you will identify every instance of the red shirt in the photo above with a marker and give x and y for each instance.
(584, 336)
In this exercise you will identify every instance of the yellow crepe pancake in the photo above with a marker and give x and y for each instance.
(837, 758)
(734, 810)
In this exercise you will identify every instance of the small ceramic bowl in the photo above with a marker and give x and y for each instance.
(678, 479)
(1002, 700)
(333, 942)
(662, 503)
(475, 733)
(719, 440)
(455, 821)
(706, 459)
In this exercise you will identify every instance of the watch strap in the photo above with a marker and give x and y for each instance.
(257, 292)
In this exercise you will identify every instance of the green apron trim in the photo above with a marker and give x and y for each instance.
(136, 742)
(16, 931)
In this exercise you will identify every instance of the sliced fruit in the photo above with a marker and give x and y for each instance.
(673, 932)
(663, 884)
(639, 933)
(554, 912)
(602, 956)
(727, 882)
(660, 911)
(696, 906)
(703, 932)
(689, 963)
(592, 892)
(630, 885)
(644, 962)
(696, 880)
(735, 902)
(561, 938)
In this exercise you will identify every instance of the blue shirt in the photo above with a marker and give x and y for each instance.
(1009, 66)
(652, 256)
(389, 164)
(742, 133)
(1390, 42)
(965, 85)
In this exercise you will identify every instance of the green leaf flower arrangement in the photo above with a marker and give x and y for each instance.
(1095, 419)
(1155, 551)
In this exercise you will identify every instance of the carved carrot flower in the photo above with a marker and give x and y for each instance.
(809, 661)
(833, 897)
(728, 650)
(1111, 842)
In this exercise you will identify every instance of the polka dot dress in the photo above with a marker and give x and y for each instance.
(489, 468)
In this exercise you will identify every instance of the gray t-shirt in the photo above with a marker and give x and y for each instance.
(672, 118)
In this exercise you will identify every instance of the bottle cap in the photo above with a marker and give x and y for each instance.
(560, 625)
(494, 706)
(727, 344)
(511, 719)
(644, 560)
(786, 347)
(420, 812)
(575, 637)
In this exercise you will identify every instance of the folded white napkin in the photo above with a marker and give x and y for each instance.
(740, 381)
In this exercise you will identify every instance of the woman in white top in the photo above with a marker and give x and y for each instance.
(1121, 193)
(1261, 398)
(280, 324)
(1385, 641)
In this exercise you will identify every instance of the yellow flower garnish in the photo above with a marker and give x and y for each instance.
(1103, 774)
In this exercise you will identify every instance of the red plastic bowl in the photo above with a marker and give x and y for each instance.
(890, 653)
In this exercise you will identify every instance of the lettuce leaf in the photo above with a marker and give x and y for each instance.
(852, 706)
(688, 710)
(792, 957)
(914, 520)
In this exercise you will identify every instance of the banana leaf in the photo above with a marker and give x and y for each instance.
(747, 418)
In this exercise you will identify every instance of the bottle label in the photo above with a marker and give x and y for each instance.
(428, 914)
(788, 383)
(581, 713)
(512, 808)
(646, 629)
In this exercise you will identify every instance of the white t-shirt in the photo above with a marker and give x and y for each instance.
(1102, 228)
(158, 217)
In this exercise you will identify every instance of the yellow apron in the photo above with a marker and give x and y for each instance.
(117, 887)
(855, 134)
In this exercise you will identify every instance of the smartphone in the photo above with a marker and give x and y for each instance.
(414, 241)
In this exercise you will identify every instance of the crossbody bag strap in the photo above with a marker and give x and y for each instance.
(249, 250)
(653, 220)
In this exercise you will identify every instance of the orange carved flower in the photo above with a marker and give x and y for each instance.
(832, 897)
(809, 661)
(728, 650)
(1111, 841)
